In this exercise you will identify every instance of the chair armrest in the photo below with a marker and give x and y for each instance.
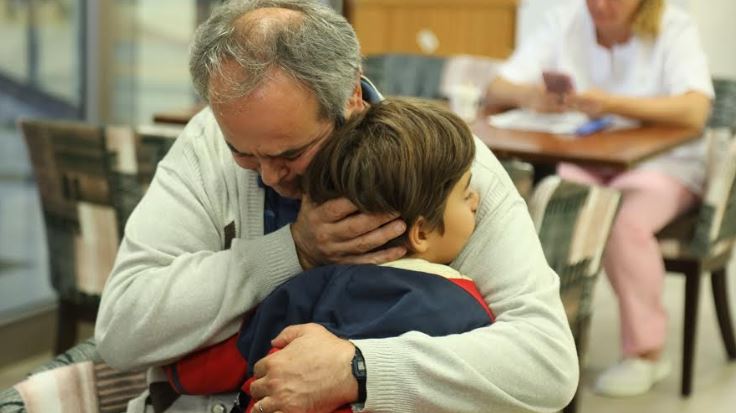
(84, 351)
(11, 402)
(78, 380)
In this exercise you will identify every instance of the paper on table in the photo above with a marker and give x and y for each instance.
(557, 123)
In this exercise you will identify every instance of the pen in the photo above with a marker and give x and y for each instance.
(593, 126)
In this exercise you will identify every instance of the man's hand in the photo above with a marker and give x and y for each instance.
(311, 374)
(335, 232)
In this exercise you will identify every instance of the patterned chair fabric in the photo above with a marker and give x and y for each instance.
(428, 77)
(90, 179)
(709, 229)
(89, 182)
(405, 74)
(75, 382)
(702, 241)
(573, 222)
(724, 106)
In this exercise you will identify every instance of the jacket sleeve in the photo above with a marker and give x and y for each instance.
(174, 288)
(524, 361)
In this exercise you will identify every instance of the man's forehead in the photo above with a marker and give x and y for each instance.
(276, 89)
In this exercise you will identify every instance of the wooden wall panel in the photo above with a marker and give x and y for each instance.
(479, 27)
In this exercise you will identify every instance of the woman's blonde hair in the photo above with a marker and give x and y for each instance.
(648, 18)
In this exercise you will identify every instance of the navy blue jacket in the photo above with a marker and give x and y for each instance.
(351, 301)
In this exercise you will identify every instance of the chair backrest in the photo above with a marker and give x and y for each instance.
(405, 74)
(430, 77)
(153, 143)
(89, 182)
(143, 149)
(715, 228)
(72, 167)
(723, 114)
(573, 222)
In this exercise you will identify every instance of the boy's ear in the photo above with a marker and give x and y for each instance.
(417, 236)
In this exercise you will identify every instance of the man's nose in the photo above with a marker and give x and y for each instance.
(272, 171)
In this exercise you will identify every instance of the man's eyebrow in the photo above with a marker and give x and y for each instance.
(285, 154)
(235, 151)
(295, 151)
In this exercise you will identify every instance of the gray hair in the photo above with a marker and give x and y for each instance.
(318, 48)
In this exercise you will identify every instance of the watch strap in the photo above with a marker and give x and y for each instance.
(359, 372)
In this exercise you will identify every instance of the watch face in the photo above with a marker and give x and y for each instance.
(358, 366)
(360, 374)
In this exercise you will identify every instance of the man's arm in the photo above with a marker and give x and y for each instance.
(174, 287)
(526, 360)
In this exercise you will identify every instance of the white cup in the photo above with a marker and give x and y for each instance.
(464, 101)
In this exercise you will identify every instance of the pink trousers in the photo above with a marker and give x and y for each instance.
(632, 260)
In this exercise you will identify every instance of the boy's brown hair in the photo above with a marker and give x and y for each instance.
(400, 155)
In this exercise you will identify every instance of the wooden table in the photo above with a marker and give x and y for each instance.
(620, 149)
(177, 117)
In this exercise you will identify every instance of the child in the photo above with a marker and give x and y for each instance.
(400, 156)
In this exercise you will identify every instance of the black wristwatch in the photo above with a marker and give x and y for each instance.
(359, 373)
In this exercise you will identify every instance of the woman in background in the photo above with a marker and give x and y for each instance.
(640, 59)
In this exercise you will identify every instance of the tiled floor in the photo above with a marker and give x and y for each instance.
(715, 380)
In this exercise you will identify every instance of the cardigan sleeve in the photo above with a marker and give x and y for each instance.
(525, 361)
(174, 287)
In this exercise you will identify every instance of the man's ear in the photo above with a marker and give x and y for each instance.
(417, 236)
(355, 101)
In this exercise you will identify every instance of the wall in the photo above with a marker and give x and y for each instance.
(716, 22)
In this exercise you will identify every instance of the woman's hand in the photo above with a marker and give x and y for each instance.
(594, 102)
(540, 100)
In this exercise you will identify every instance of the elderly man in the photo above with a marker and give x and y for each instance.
(223, 224)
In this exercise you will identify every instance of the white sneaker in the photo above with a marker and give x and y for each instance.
(631, 377)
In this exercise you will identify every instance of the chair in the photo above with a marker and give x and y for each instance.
(701, 242)
(429, 77)
(573, 222)
(89, 183)
(405, 74)
(95, 386)
(724, 106)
